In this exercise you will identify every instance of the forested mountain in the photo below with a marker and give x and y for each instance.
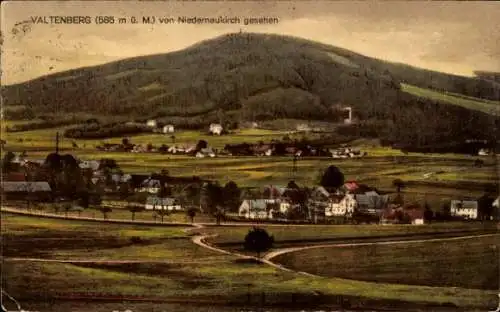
(247, 76)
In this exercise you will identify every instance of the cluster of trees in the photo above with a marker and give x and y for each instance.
(100, 131)
(25, 113)
(42, 124)
(215, 199)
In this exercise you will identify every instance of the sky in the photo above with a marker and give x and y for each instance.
(454, 37)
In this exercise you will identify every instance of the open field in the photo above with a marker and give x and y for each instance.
(482, 105)
(467, 263)
(64, 239)
(188, 273)
(455, 175)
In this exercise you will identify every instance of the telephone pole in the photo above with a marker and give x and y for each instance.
(57, 142)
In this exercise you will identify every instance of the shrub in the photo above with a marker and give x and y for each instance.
(258, 240)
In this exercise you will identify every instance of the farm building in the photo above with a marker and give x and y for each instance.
(152, 123)
(467, 209)
(167, 203)
(371, 202)
(168, 129)
(15, 176)
(255, 209)
(215, 129)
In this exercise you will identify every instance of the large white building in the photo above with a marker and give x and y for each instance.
(168, 129)
(341, 206)
(215, 129)
(464, 208)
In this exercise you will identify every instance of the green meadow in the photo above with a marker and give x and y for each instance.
(482, 105)
(173, 268)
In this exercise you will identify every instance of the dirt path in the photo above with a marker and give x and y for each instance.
(279, 252)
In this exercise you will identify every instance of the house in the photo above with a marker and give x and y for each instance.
(89, 164)
(351, 186)
(395, 215)
(348, 117)
(20, 189)
(184, 148)
(285, 206)
(467, 209)
(255, 209)
(150, 186)
(303, 127)
(167, 203)
(261, 150)
(272, 194)
(341, 206)
(151, 123)
(168, 129)
(483, 152)
(120, 178)
(206, 152)
(215, 129)
(415, 215)
(15, 177)
(371, 203)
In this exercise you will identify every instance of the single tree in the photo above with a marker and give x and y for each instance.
(7, 161)
(125, 141)
(398, 184)
(258, 240)
(191, 213)
(201, 145)
(292, 185)
(428, 213)
(67, 207)
(332, 178)
(172, 137)
(135, 208)
(162, 213)
(105, 210)
(231, 196)
(83, 202)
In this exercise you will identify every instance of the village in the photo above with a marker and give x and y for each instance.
(201, 149)
(64, 181)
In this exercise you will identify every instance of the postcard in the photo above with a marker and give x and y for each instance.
(250, 156)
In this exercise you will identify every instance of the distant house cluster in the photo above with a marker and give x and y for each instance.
(341, 205)
(162, 128)
(296, 149)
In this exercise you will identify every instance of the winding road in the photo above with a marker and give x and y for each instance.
(202, 240)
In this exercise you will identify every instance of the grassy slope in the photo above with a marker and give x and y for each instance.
(471, 263)
(205, 277)
(486, 106)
